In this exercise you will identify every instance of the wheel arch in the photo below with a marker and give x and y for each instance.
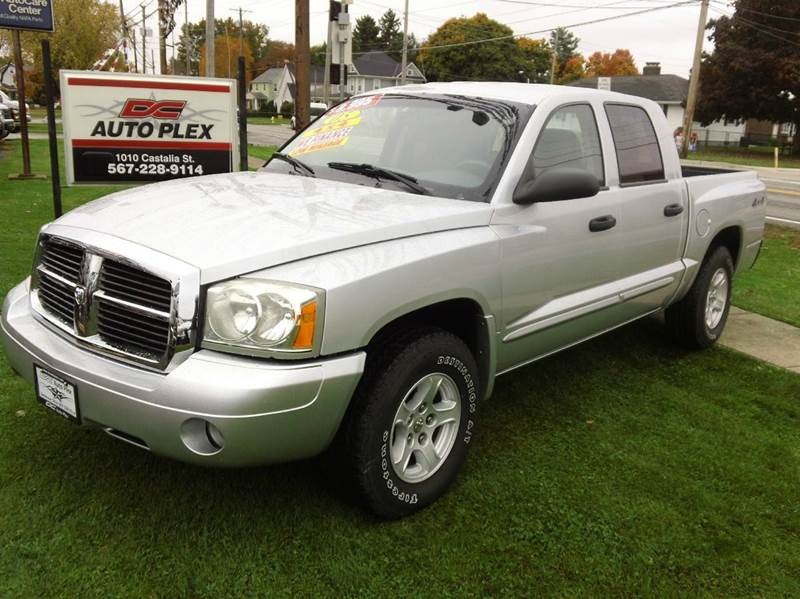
(730, 238)
(463, 317)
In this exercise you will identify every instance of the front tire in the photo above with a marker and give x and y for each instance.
(697, 321)
(413, 417)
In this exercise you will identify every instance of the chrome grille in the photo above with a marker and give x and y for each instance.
(133, 310)
(124, 328)
(57, 297)
(109, 303)
(135, 286)
(63, 260)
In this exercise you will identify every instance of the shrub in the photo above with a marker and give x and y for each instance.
(287, 109)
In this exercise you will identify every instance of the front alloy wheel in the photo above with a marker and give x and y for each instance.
(411, 420)
(425, 427)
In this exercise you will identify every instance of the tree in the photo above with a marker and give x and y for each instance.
(564, 43)
(572, 70)
(84, 31)
(226, 57)
(496, 60)
(277, 54)
(193, 38)
(753, 70)
(534, 59)
(318, 54)
(390, 36)
(366, 35)
(604, 64)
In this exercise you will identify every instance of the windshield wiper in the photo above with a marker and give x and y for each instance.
(297, 164)
(378, 172)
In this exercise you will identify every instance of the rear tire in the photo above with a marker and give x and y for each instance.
(697, 321)
(411, 421)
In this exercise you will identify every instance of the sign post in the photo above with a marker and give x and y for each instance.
(55, 177)
(33, 16)
(123, 127)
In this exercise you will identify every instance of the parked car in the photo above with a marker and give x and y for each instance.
(317, 109)
(363, 291)
(6, 121)
(15, 113)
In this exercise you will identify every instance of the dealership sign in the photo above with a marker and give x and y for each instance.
(36, 15)
(128, 127)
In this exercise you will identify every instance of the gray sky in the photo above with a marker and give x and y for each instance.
(666, 36)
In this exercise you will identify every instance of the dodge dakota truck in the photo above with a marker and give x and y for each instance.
(362, 291)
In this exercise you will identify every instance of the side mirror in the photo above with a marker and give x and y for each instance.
(557, 185)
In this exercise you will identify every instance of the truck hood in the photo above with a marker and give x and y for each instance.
(236, 223)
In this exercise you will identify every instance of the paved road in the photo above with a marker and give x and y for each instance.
(268, 135)
(783, 201)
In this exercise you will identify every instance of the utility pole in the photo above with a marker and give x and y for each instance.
(144, 42)
(209, 38)
(326, 84)
(186, 40)
(553, 59)
(162, 36)
(241, 28)
(404, 63)
(694, 79)
(135, 51)
(342, 48)
(124, 23)
(228, 45)
(302, 63)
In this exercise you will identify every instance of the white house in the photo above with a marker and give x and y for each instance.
(670, 92)
(370, 71)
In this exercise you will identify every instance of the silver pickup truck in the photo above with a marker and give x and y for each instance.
(363, 290)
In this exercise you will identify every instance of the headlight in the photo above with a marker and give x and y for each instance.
(256, 317)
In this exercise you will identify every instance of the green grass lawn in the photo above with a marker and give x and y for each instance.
(261, 152)
(772, 287)
(624, 466)
(752, 156)
(265, 120)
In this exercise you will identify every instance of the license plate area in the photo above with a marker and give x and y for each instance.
(58, 394)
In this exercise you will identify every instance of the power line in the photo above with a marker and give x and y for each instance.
(572, 25)
(757, 26)
(759, 12)
(580, 7)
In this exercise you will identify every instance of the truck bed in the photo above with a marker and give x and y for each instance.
(700, 171)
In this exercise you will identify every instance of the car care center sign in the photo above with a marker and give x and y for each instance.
(127, 127)
(36, 15)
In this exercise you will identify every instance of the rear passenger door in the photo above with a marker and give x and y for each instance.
(653, 208)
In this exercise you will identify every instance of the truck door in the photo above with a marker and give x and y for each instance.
(653, 209)
(558, 258)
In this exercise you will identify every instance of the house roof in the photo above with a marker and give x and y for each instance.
(659, 88)
(377, 64)
(271, 75)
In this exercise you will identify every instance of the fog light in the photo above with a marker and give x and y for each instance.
(202, 437)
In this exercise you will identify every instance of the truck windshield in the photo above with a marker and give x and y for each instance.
(447, 146)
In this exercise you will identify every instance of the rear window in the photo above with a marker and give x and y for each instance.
(638, 154)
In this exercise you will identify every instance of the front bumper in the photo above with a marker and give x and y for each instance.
(265, 411)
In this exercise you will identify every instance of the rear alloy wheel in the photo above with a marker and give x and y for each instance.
(411, 421)
(697, 321)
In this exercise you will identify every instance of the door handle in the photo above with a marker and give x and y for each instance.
(673, 210)
(602, 223)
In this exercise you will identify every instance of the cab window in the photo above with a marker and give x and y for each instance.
(569, 140)
(638, 154)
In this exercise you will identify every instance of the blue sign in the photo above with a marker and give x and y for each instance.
(36, 15)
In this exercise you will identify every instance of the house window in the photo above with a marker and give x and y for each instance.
(376, 84)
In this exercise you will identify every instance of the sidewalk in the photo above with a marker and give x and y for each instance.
(769, 340)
